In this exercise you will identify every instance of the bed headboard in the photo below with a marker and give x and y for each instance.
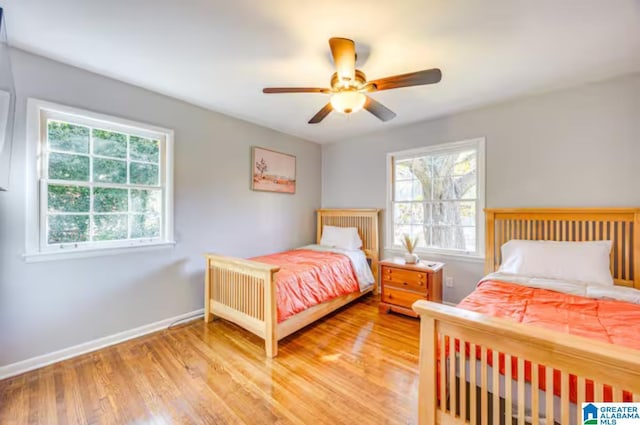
(365, 220)
(620, 225)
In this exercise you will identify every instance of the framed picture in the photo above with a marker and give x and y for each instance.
(272, 171)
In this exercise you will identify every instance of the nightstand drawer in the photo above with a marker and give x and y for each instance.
(420, 287)
(401, 298)
(405, 278)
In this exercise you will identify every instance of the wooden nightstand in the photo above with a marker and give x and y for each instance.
(403, 284)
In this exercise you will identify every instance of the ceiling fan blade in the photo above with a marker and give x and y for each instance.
(379, 110)
(294, 90)
(429, 76)
(343, 51)
(322, 114)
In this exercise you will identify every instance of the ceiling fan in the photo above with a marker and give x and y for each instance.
(349, 85)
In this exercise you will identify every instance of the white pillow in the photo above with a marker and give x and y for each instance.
(575, 261)
(341, 237)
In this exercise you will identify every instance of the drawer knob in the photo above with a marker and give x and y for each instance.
(405, 283)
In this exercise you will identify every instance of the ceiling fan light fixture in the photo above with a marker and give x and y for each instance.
(348, 102)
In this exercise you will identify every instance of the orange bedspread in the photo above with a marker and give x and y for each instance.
(307, 278)
(610, 321)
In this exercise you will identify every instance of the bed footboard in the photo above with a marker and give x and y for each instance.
(243, 292)
(475, 368)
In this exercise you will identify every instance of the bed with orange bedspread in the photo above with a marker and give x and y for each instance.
(274, 296)
(607, 320)
(308, 278)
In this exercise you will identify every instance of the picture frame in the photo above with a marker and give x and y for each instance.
(272, 171)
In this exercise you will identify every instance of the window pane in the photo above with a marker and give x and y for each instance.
(68, 167)
(450, 238)
(417, 193)
(67, 137)
(403, 190)
(110, 227)
(444, 189)
(109, 171)
(403, 170)
(68, 228)
(402, 213)
(110, 200)
(455, 187)
(145, 201)
(459, 213)
(68, 198)
(465, 163)
(109, 143)
(399, 232)
(470, 238)
(419, 233)
(146, 174)
(466, 186)
(145, 225)
(142, 149)
(417, 214)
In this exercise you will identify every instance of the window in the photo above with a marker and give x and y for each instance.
(102, 182)
(437, 195)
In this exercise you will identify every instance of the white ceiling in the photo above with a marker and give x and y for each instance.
(220, 53)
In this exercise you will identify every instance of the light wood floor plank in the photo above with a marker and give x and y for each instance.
(354, 366)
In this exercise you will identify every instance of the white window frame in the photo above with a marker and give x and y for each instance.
(37, 249)
(479, 145)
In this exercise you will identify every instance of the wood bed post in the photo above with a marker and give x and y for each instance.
(428, 382)
(270, 315)
(208, 315)
(489, 237)
(636, 250)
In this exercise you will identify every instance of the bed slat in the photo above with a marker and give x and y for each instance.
(564, 397)
(598, 394)
(463, 380)
(508, 394)
(484, 396)
(582, 386)
(521, 394)
(535, 394)
(443, 373)
(472, 384)
(452, 376)
(496, 387)
(548, 371)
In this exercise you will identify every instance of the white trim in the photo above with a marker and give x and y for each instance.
(23, 366)
(435, 255)
(36, 207)
(37, 257)
(479, 144)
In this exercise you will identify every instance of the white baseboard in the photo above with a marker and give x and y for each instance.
(66, 353)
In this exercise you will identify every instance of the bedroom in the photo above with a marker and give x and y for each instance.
(558, 109)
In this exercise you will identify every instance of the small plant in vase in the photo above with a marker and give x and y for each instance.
(410, 245)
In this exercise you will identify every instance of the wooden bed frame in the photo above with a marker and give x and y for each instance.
(244, 291)
(602, 363)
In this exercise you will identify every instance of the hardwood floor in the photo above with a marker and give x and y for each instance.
(355, 366)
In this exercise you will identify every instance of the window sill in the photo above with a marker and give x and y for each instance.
(36, 257)
(438, 255)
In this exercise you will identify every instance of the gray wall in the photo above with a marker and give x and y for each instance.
(577, 147)
(53, 305)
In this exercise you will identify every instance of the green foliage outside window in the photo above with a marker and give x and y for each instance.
(80, 212)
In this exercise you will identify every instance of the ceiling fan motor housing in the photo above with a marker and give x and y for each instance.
(338, 84)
